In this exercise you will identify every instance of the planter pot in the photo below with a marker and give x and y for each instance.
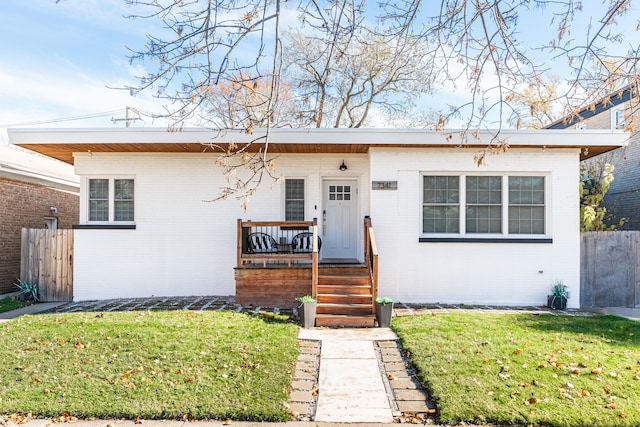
(556, 303)
(383, 314)
(307, 313)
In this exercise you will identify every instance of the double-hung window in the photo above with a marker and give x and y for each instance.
(470, 205)
(111, 200)
(526, 205)
(441, 204)
(294, 199)
(483, 204)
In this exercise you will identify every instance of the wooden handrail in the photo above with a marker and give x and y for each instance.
(277, 223)
(314, 260)
(371, 259)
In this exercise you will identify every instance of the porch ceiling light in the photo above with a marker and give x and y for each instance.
(343, 167)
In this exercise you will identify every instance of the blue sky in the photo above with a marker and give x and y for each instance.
(57, 60)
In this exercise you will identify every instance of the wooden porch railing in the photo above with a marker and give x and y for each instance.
(371, 259)
(276, 244)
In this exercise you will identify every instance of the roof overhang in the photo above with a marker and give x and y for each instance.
(62, 143)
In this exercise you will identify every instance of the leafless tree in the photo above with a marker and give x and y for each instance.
(367, 71)
(476, 44)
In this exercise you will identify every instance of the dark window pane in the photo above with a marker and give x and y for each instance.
(98, 200)
(440, 219)
(441, 213)
(98, 210)
(294, 188)
(123, 211)
(294, 200)
(98, 189)
(123, 200)
(294, 210)
(123, 189)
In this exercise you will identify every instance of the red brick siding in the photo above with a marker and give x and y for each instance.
(26, 205)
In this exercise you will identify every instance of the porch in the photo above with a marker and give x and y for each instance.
(279, 261)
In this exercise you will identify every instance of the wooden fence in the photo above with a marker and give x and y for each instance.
(610, 269)
(47, 259)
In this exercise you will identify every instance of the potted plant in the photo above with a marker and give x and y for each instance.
(384, 310)
(558, 296)
(307, 311)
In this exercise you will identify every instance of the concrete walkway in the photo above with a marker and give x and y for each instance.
(30, 309)
(629, 313)
(350, 386)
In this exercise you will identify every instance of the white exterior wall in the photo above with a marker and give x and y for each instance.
(474, 273)
(183, 245)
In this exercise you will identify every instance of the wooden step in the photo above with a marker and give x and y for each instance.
(341, 298)
(343, 271)
(344, 309)
(357, 280)
(336, 320)
(344, 289)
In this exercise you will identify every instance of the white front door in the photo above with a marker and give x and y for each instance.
(340, 220)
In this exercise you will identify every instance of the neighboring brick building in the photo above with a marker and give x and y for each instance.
(35, 192)
(619, 110)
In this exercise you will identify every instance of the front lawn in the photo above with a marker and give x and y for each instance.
(9, 303)
(527, 369)
(175, 365)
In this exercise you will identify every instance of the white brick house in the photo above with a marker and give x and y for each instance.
(447, 230)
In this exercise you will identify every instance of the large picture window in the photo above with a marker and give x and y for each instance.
(294, 199)
(483, 205)
(111, 200)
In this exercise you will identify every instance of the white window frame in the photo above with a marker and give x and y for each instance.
(505, 207)
(617, 118)
(111, 213)
(284, 197)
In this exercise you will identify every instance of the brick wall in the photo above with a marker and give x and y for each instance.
(26, 205)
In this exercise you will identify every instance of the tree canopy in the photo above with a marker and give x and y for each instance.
(231, 64)
(355, 48)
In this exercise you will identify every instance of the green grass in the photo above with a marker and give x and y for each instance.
(8, 304)
(152, 365)
(527, 369)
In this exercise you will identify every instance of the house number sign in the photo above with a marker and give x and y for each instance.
(384, 185)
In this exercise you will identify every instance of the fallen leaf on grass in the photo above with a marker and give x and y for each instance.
(597, 371)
